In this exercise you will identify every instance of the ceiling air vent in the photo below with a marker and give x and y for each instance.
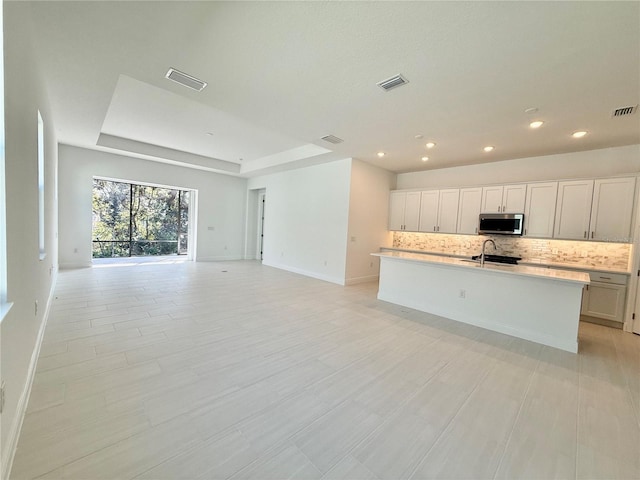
(185, 80)
(332, 139)
(392, 82)
(624, 111)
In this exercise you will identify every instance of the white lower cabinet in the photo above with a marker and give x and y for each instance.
(603, 298)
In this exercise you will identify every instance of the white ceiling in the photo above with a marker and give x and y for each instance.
(283, 74)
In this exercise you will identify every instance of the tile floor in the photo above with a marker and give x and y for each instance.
(235, 370)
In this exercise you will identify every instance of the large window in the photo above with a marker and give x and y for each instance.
(138, 220)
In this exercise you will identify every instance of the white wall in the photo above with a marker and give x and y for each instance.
(368, 220)
(29, 279)
(592, 163)
(221, 202)
(306, 219)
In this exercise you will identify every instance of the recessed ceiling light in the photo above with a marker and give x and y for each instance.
(381, 154)
(418, 137)
(531, 110)
(430, 145)
(488, 148)
(425, 159)
(579, 134)
(536, 124)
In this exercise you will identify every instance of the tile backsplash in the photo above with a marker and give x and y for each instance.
(587, 254)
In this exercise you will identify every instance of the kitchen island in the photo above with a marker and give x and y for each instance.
(537, 304)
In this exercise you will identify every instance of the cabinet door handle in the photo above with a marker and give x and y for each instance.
(525, 231)
(476, 230)
(434, 228)
(592, 234)
(438, 228)
(605, 278)
(499, 208)
(585, 234)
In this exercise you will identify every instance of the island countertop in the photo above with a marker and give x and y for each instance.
(521, 270)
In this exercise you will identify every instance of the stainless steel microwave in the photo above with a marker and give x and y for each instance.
(501, 223)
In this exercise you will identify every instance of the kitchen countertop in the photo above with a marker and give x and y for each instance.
(521, 270)
(532, 263)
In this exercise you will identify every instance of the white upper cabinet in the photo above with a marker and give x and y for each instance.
(439, 211)
(513, 198)
(492, 199)
(600, 209)
(412, 211)
(500, 199)
(404, 211)
(448, 210)
(469, 210)
(573, 210)
(611, 209)
(540, 209)
(429, 211)
(396, 210)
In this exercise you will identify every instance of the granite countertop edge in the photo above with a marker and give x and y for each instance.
(534, 263)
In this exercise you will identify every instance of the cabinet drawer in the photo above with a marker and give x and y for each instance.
(617, 278)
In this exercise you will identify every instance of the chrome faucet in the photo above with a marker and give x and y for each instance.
(484, 244)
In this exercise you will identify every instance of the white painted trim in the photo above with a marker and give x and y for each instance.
(220, 258)
(71, 266)
(634, 266)
(23, 402)
(5, 308)
(357, 280)
(306, 273)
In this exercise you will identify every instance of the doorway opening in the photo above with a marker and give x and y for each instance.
(133, 220)
(261, 205)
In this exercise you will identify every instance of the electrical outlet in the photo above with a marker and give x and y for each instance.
(370, 264)
(463, 294)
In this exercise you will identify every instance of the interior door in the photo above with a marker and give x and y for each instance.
(261, 205)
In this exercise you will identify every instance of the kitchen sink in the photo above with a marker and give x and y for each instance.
(497, 264)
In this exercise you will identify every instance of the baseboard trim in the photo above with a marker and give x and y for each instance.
(21, 410)
(357, 280)
(71, 266)
(306, 273)
(220, 259)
